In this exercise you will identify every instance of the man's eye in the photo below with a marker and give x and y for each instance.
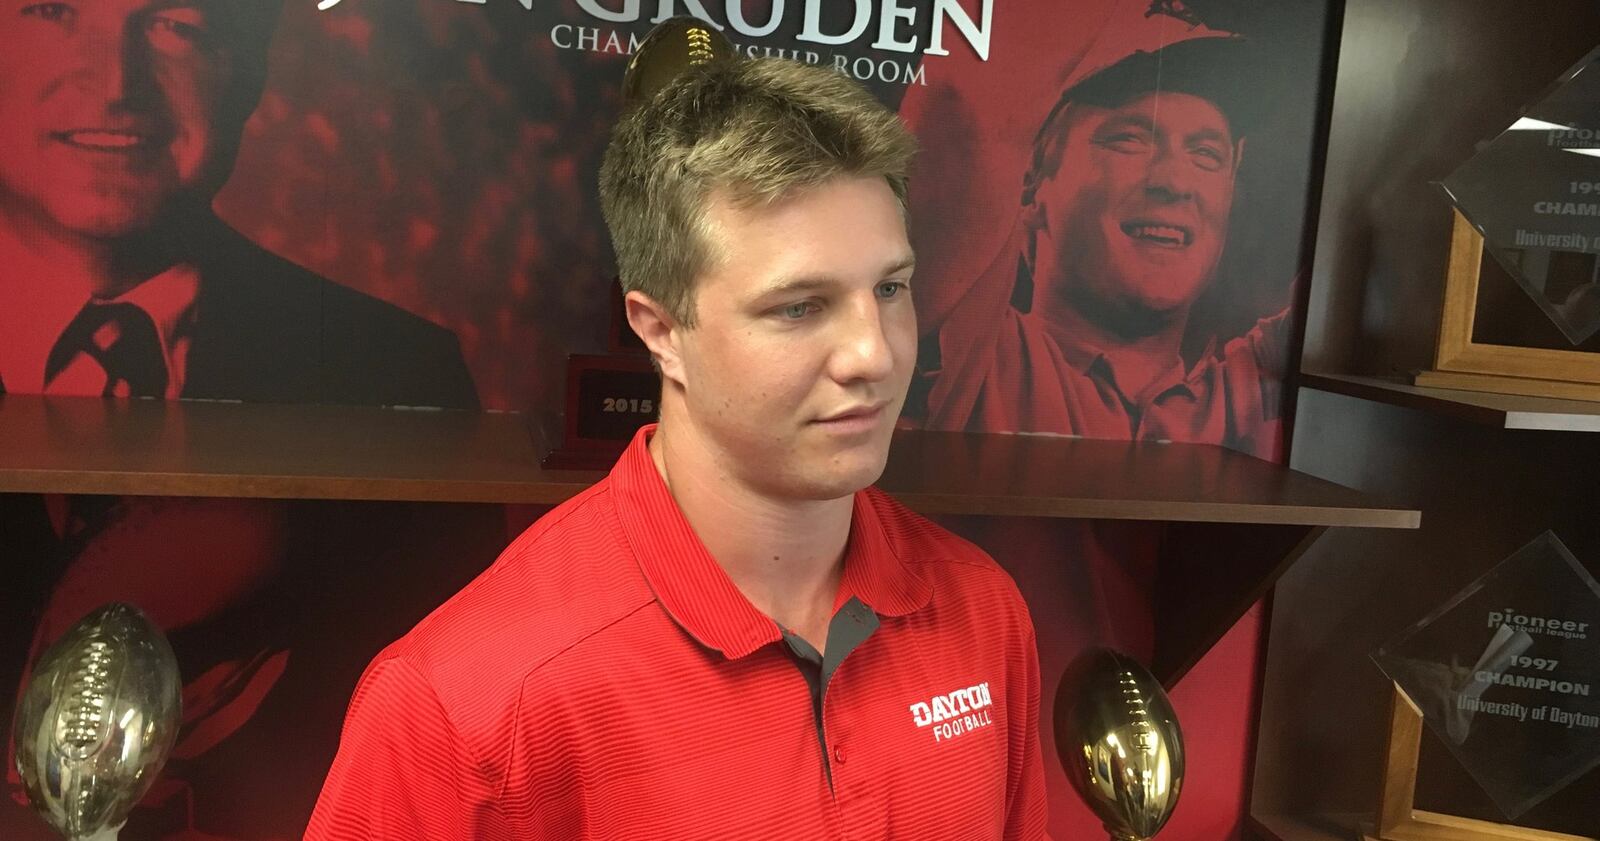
(1209, 159)
(54, 12)
(797, 311)
(892, 289)
(1128, 144)
(179, 28)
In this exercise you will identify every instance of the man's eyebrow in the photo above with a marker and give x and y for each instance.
(803, 283)
(1128, 120)
(813, 283)
(1211, 134)
(209, 8)
(907, 262)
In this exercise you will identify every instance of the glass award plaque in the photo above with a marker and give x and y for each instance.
(1533, 192)
(1507, 674)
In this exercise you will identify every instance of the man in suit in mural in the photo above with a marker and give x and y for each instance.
(119, 123)
(1079, 326)
(120, 120)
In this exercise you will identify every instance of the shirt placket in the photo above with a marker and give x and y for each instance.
(851, 625)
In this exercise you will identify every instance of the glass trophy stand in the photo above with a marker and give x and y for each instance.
(1507, 675)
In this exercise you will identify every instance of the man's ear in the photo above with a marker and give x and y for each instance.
(1033, 216)
(1033, 221)
(1238, 157)
(660, 331)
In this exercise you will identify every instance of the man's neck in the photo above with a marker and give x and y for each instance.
(785, 556)
(77, 265)
(1140, 347)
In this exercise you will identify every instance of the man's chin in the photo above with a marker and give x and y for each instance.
(104, 220)
(848, 478)
(1163, 307)
(1159, 290)
(824, 479)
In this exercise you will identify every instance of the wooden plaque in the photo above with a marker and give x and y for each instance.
(1469, 364)
(1398, 817)
(608, 398)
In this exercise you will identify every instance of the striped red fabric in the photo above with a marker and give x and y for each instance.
(604, 679)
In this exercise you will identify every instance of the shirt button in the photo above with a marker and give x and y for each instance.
(838, 754)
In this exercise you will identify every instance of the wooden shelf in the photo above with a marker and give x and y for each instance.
(193, 448)
(1508, 411)
(1237, 523)
(218, 449)
(1054, 476)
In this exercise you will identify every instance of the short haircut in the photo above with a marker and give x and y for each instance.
(754, 130)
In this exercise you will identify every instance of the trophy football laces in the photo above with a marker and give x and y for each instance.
(81, 729)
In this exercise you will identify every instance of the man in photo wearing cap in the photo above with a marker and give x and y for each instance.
(1032, 223)
(1079, 325)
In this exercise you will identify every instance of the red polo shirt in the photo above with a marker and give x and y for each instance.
(606, 679)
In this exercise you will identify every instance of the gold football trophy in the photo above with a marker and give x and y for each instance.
(673, 46)
(1119, 741)
(97, 721)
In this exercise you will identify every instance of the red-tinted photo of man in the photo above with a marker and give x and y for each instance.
(119, 122)
(1107, 227)
(1080, 326)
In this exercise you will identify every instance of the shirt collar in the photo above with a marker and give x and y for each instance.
(168, 298)
(1088, 360)
(45, 307)
(699, 595)
(873, 570)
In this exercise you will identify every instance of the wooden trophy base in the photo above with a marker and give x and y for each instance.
(1462, 362)
(1398, 817)
(608, 398)
(1500, 384)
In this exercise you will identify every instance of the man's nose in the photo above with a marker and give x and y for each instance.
(114, 66)
(863, 350)
(1169, 177)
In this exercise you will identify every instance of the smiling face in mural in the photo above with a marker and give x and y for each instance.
(1133, 217)
(114, 111)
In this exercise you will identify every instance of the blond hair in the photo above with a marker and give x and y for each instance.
(755, 130)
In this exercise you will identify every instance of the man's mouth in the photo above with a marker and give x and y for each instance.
(1166, 236)
(106, 140)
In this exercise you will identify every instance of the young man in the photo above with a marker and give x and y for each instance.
(1079, 327)
(732, 635)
